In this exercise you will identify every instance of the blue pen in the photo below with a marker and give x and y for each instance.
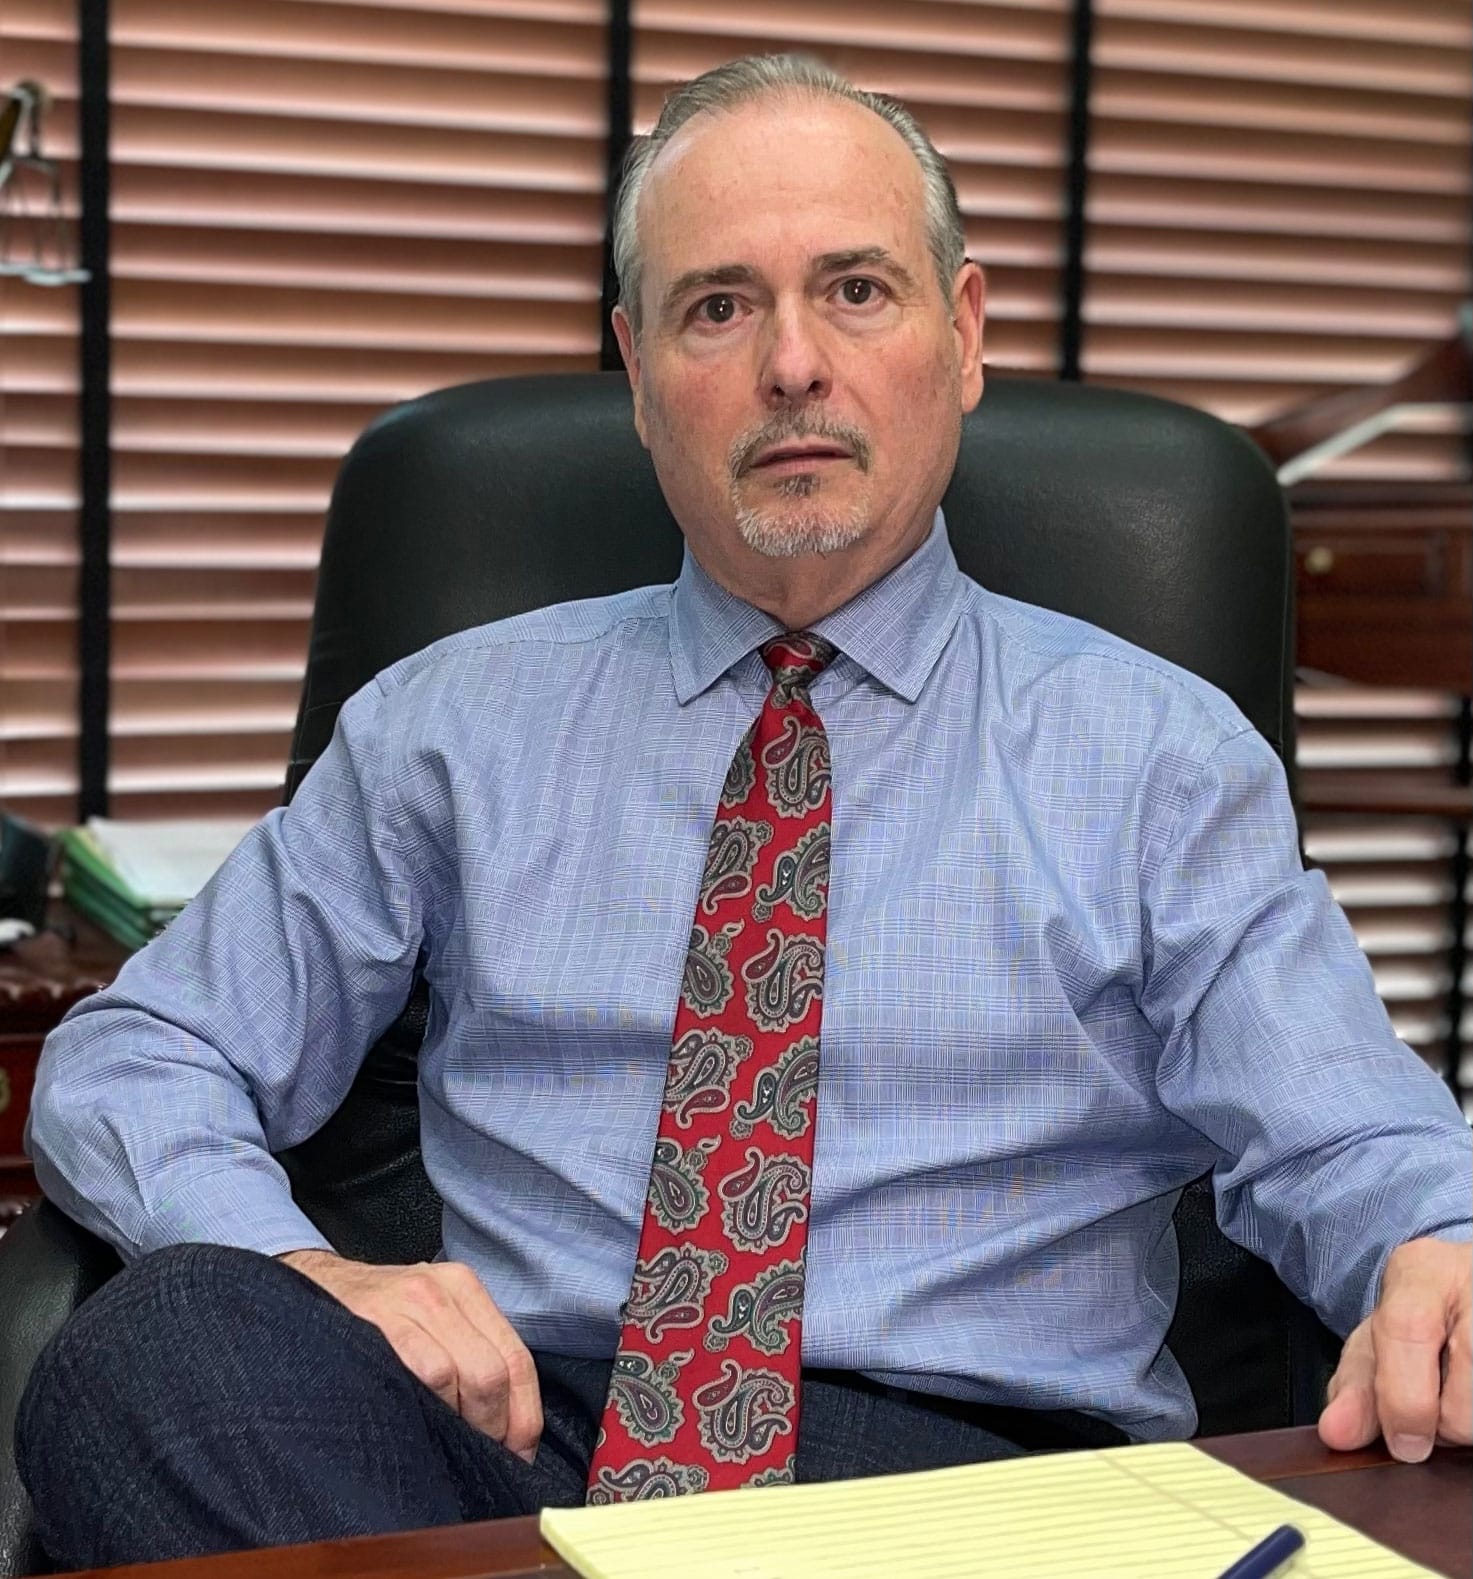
(1271, 1553)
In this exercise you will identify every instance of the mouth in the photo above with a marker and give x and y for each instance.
(799, 457)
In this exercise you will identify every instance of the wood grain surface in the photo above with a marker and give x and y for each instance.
(1424, 1511)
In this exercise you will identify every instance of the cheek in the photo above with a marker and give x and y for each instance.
(919, 390)
(693, 421)
(699, 416)
(906, 413)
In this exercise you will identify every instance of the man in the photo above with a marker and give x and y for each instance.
(1041, 888)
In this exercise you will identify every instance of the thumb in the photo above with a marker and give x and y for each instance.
(1349, 1419)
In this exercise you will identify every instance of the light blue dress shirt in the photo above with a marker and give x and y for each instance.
(1073, 963)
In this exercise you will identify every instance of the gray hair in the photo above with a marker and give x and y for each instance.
(741, 81)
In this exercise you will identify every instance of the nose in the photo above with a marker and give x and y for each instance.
(795, 365)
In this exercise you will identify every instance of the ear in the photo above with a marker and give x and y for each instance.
(629, 350)
(969, 297)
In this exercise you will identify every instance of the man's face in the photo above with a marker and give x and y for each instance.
(800, 377)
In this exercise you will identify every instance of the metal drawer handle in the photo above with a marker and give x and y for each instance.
(1319, 561)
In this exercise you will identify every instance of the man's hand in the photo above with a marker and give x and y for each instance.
(1406, 1371)
(446, 1329)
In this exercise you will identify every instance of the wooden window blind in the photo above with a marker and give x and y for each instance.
(1391, 743)
(1279, 206)
(324, 206)
(318, 209)
(1394, 875)
(989, 82)
(1278, 201)
(39, 439)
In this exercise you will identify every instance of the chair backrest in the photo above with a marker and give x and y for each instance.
(1150, 519)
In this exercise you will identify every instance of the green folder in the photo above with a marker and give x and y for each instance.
(100, 904)
(81, 852)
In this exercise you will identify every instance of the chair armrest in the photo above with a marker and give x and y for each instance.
(48, 1266)
(1255, 1357)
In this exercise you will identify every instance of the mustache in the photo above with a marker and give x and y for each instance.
(785, 429)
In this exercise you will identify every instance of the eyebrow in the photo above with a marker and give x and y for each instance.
(696, 279)
(866, 258)
(827, 263)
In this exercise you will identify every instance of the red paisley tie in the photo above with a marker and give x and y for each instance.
(704, 1390)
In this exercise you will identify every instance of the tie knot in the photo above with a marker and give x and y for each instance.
(796, 659)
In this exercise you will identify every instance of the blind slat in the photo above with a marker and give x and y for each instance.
(403, 264)
(218, 366)
(145, 539)
(301, 31)
(1260, 57)
(1415, 24)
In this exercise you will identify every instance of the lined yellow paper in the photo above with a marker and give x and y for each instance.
(1162, 1511)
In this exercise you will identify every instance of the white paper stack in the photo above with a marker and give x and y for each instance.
(167, 863)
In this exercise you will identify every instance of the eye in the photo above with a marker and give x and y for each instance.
(716, 309)
(858, 292)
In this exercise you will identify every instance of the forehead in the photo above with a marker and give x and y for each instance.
(786, 176)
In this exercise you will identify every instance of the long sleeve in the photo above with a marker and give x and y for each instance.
(1338, 1144)
(237, 1033)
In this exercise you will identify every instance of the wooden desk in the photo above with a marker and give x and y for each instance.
(1421, 1510)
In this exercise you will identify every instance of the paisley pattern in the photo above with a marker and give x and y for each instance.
(784, 1095)
(800, 877)
(794, 670)
(797, 769)
(740, 1413)
(678, 1198)
(731, 859)
(702, 1067)
(742, 774)
(783, 979)
(642, 1391)
(783, 1474)
(720, 1270)
(758, 1310)
(706, 987)
(762, 1201)
(644, 1478)
(670, 1290)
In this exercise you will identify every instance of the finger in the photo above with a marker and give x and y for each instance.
(524, 1392)
(481, 1371)
(477, 1387)
(1349, 1418)
(1456, 1421)
(1409, 1328)
(426, 1359)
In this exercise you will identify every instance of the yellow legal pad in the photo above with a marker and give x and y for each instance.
(1162, 1511)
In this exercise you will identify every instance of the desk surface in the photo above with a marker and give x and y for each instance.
(1421, 1510)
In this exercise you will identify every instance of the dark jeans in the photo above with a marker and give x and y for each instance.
(210, 1399)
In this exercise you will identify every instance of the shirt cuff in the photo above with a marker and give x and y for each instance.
(222, 1210)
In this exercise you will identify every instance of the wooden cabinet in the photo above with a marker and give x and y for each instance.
(18, 1055)
(1385, 589)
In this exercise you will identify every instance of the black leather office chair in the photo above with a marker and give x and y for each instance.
(1150, 519)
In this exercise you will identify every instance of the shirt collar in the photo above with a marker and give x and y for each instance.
(894, 629)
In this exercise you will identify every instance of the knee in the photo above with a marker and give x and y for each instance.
(168, 1318)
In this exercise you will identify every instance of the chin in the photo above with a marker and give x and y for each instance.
(786, 528)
